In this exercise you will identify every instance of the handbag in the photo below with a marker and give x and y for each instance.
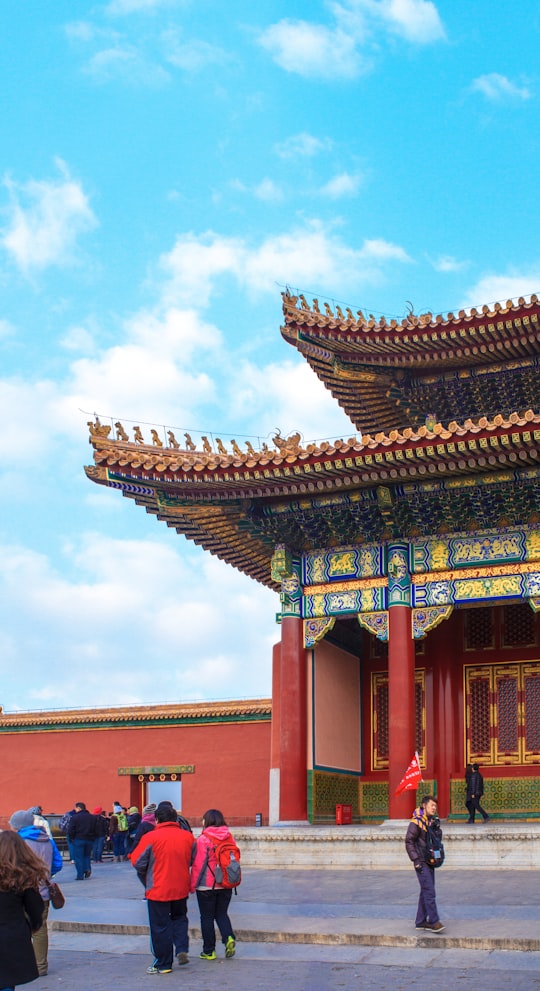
(55, 894)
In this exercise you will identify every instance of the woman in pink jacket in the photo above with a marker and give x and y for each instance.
(213, 898)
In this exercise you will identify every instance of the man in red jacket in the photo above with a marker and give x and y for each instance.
(162, 859)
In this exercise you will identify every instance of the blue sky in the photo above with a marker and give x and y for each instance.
(167, 167)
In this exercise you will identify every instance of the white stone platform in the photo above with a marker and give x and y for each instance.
(501, 845)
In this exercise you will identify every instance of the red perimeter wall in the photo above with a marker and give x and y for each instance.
(55, 769)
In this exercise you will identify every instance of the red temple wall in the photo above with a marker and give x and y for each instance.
(57, 768)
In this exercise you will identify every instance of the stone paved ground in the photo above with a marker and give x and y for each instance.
(267, 967)
(493, 902)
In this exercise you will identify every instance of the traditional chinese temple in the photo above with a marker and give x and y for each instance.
(407, 557)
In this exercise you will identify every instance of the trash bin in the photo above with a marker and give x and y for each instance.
(343, 815)
(258, 818)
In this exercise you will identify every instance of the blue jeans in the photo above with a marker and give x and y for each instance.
(97, 851)
(427, 906)
(168, 930)
(82, 850)
(213, 905)
(119, 844)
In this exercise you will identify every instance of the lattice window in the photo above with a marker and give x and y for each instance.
(531, 711)
(518, 625)
(380, 718)
(380, 721)
(479, 629)
(419, 711)
(502, 715)
(480, 715)
(507, 700)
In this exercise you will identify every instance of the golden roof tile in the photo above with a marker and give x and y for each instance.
(137, 714)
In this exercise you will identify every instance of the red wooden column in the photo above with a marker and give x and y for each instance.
(292, 722)
(288, 773)
(448, 700)
(401, 739)
(275, 749)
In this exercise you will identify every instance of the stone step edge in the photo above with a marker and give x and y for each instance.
(324, 939)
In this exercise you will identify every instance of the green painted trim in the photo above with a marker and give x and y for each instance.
(135, 723)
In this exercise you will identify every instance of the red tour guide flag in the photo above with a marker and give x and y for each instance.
(412, 776)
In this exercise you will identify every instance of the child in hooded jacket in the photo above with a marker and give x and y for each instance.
(213, 898)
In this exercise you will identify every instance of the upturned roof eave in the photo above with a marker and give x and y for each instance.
(206, 476)
(469, 335)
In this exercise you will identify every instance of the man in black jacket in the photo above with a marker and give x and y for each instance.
(476, 788)
(427, 915)
(82, 833)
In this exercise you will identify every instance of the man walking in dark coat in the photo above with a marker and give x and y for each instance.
(82, 833)
(476, 789)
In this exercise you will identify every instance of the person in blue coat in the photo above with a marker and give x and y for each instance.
(46, 849)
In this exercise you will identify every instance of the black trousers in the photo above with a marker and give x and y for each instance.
(213, 905)
(476, 807)
(168, 930)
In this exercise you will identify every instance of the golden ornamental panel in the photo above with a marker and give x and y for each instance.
(376, 623)
(424, 620)
(316, 629)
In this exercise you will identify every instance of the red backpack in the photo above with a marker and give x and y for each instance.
(227, 871)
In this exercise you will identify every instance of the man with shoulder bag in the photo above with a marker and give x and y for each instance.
(423, 843)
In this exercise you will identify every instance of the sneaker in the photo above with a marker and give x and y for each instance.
(182, 958)
(158, 970)
(230, 947)
(437, 927)
(208, 956)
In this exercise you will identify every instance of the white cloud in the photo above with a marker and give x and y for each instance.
(194, 263)
(45, 219)
(345, 184)
(191, 55)
(171, 360)
(266, 190)
(273, 397)
(498, 287)
(303, 256)
(80, 31)
(121, 8)
(415, 20)
(340, 50)
(269, 191)
(313, 49)
(302, 145)
(446, 263)
(79, 339)
(159, 364)
(6, 329)
(377, 249)
(28, 421)
(127, 63)
(155, 600)
(495, 87)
